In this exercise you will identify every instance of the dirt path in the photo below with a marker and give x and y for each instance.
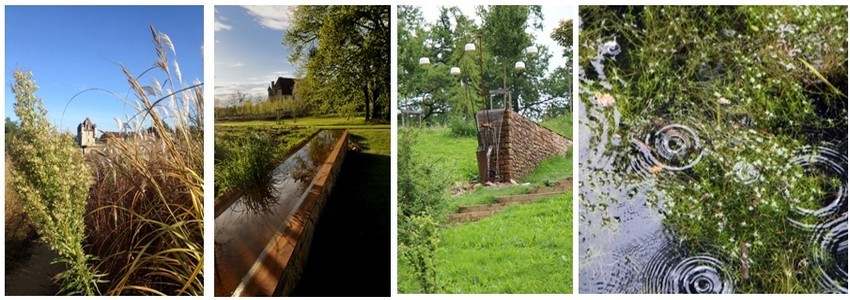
(34, 277)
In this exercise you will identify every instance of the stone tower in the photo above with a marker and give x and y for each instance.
(85, 133)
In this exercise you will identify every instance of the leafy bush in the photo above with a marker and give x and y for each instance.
(461, 126)
(421, 198)
(19, 232)
(52, 181)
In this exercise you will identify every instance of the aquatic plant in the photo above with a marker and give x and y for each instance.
(248, 162)
(52, 181)
(734, 114)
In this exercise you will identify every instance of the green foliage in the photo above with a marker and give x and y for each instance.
(418, 249)
(562, 124)
(421, 197)
(754, 57)
(733, 201)
(284, 110)
(524, 249)
(500, 43)
(461, 126)
(246, 162)
(52, 181)
(755, 82)
(344, 52)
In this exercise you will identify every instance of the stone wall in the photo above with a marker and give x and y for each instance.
(522, 144)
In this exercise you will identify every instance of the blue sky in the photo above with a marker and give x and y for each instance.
(248, 50)
(72, 48)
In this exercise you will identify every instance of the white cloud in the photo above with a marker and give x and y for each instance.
(236, 65)
(221, 26)
(219, 22)
(256, 87)
(273, 17)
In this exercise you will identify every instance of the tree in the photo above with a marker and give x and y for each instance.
(504, 37)
(344, 52)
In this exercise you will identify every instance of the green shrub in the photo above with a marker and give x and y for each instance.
(422, 186)
(461, 126)
(52, 181)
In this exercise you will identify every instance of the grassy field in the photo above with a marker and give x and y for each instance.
(357, 213)
(315, 121)
(524, 249)
(458, 152)
(247, 150)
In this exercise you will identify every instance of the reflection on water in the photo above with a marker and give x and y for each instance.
(691, 150)
(624, 245)
(243, 230)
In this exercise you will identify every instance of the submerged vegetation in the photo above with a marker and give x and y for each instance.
(737, 116)
(128, 218)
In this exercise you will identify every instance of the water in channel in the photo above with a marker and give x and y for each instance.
(245, 227)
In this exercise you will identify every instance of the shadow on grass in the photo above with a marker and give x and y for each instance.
(361, 141)
(350, 254)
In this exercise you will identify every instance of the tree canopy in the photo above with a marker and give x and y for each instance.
(343, 53)
(502, 37)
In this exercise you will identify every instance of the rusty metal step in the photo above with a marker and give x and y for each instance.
(470, 216)
(481, 207)
(527, 198)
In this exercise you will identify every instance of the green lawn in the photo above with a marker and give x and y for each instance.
(562, 125)
(524, 249)
(286, 136)
(457, 152)
(315, 121)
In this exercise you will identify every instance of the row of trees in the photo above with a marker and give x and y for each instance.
(504, 36)
(343, 56)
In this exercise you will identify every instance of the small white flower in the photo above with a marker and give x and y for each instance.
(724, 101)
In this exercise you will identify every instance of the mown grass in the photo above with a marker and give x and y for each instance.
(247, 151)
(357, 213)
(524, 249)
(311, 121)
(562, 125)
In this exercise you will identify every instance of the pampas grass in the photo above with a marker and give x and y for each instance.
(145, 205)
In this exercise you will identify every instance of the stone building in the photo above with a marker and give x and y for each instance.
(284, 87)
(86, 133)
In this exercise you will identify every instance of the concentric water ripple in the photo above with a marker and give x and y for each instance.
(746, 172)
(670, 271)
(828, 162)
(831, 255)
(674, 147)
